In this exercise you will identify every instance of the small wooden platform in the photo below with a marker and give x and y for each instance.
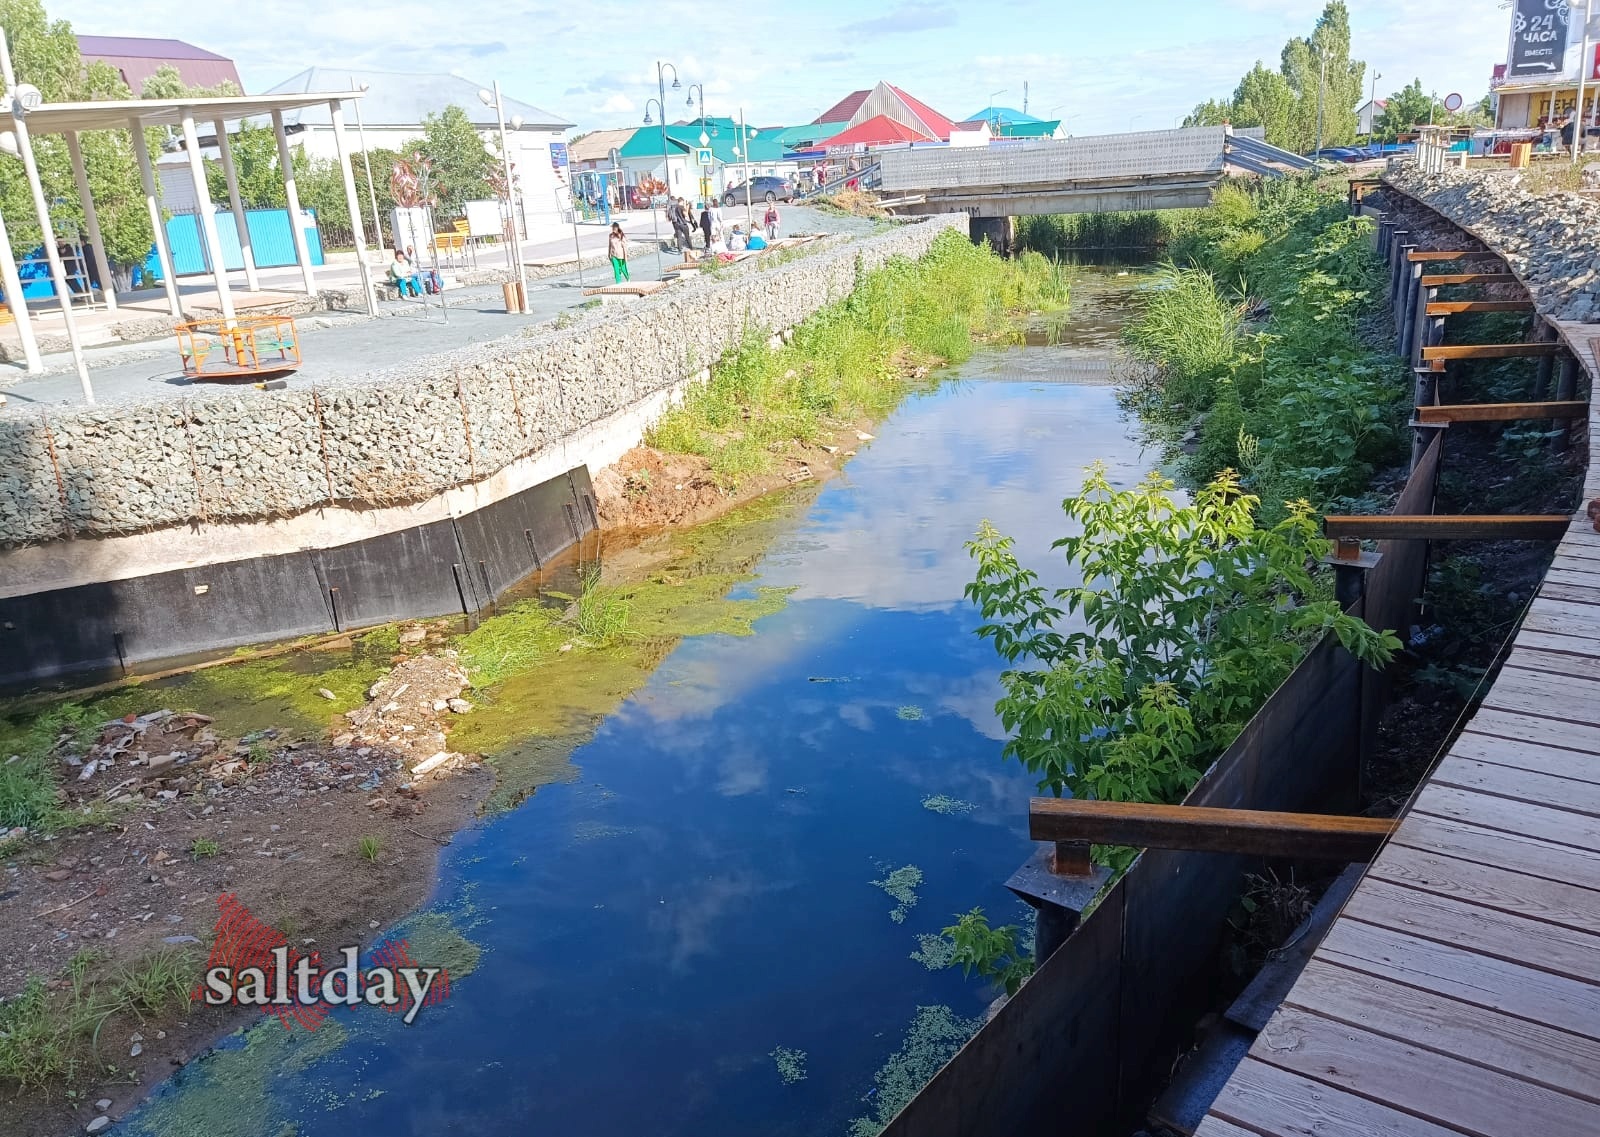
(1459, 990)
(642, 288)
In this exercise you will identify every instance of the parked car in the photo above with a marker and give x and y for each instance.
(1338, 154)
(761, 189)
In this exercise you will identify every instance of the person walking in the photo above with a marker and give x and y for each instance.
(678, 215)
(617, 250)
(770, 221)
(705, 223)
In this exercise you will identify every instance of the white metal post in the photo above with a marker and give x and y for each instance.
(353, 203)
(511, 202)
(744, 140)
(208, 215)
(236, 205)
(17, 302)
(291, 193)
(58, 272)
(158, 224)
(366, 161)
(97, 245)
(1585, 62)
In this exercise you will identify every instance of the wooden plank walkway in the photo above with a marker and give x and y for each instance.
(1458, 991)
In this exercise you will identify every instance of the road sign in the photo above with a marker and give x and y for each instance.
(703, 155)
(1452, 103)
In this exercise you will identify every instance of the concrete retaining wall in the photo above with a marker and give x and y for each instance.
(401, 436)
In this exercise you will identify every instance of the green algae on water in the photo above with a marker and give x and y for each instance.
(935, 952)
(230, 1091)
(944, 803)
(791, 1064)
(433, 940)
(901, 885)
(910, 712)
(934, 1036)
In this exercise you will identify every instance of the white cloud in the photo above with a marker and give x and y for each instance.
(617, 104)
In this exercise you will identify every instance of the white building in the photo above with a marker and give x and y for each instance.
(1368, 113)
(392, 110)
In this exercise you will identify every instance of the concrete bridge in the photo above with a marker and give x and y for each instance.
(1155, 169)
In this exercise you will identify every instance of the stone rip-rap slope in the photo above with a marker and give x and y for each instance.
(1551, 241)
(400, 436)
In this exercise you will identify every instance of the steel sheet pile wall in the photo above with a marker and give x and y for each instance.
(402, 435)
(1084, 1044)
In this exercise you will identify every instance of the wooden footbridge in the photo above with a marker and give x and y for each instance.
(1458, 989)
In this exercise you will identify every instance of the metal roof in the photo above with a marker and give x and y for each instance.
(398, 98)
(116, 114)
(136, 59)
(765, 146)
(596, 146)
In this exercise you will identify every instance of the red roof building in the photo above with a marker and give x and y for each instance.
(137, 58)
(913, 119)
(880, 130)
(845, 109)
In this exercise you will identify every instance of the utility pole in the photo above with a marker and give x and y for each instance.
(1024, 96)
(1372, 108)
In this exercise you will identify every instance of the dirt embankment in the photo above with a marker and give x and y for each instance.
(326, 840)
(649, 489)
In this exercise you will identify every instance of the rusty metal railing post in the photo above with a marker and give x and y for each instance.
(1058, 882)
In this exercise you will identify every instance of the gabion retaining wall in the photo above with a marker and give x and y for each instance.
(404, 434)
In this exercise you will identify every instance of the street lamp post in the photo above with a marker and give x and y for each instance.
(1322, 84)
(1372, 108)
(993, 95)
(514, 249)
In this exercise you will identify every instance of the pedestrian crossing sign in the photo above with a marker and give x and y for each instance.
(703, 155)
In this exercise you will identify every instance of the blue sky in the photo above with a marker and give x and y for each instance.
(1104, 67)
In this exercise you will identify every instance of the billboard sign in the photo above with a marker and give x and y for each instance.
(1538, 38)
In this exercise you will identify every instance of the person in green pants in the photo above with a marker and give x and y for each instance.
(617, 249)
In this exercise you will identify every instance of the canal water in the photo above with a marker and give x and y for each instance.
(710, 929)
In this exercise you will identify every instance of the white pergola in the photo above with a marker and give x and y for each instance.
(135, 115)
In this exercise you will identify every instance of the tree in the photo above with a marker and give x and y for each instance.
(1212, 112)
(1406, 109)
(45, 54)
(1285, 102)
(1264, 99)
(1190, 616)
(463, 169)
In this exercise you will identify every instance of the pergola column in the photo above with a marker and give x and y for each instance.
(302, 251)
(158, 224)
(208, 215)
(353, 202)
(80, 176)
(240, 222)
(17, 302)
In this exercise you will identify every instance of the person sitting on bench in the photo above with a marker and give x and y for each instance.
(403, 275)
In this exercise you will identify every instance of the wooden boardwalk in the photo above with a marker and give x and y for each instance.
(1458, 991)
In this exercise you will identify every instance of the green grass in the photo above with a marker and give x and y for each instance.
(852, 359)
(50, 1031)
(204, 847)
(160, 980)
(369, 847)
(600, 613)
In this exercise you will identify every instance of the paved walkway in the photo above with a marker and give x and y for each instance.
(336, 346)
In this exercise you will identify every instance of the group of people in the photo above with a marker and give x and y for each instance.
(408, 278)
(715, 238)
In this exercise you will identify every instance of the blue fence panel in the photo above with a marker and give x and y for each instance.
(270, 240)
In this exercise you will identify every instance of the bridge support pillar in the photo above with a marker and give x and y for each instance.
(1000, 232)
